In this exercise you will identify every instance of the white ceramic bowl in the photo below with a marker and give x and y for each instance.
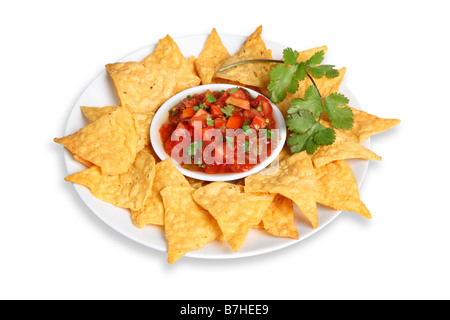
(162, 116)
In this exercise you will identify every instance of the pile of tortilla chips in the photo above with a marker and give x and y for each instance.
(122, 168)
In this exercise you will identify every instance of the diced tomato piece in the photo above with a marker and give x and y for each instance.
(220, 123)
(258, 122)
(188, 113)
(266, 108)
(200, 115)
(181, 126)
(250, 114)
(235, 122)
(240, 94)
(190, 103)
(207, 133)
(215, 111)
(241, 103)
(221, 101)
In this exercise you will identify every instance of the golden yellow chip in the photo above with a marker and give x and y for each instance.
(167, 53)
(278, 220)
(252, 74)
(127, 190)
(365, 125)
(305, 55)
(236, 212)
(86, 163)
(94, 113)
(325, 86)
(338, 188)
(187, 226)
(145, 87)
(152, 212)
(211, 57)
(343, 148)
(295, 179)
(110, 142)
(142, 122)
(195, 183)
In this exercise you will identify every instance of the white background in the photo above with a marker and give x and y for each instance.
(396, 54)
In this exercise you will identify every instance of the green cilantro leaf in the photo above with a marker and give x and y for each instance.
(322, 70)
(191, 150)
(209, 122)
(312, 102)
(282, 79)
(233, 90)
(246, 146)
(300, 122)
(230, 142)
(210, 98)
(340, 115)
(228, 110)
(316, 59)
(324, 136)
(290, 56)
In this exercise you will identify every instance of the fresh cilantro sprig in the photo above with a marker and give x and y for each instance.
(304, 120)
(305, 114)
(285, 77)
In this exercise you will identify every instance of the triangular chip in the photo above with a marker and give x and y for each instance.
(236, 212)
(295, 179)
(187, 226)
(338, 188)
(142, 122)
(167, 53)
(251, 74)
(366, 125)
(305, 55)
(86, 163)
(92, 114)
(325, 86)
(211, 57)
(145, 87)
(152, 212)
(278, 220)
(110, 142)
(343, 148)
(127, 190)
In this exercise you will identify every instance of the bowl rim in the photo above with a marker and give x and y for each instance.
(161, 117)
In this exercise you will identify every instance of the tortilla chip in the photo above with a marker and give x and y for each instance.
(343, 148)
(110, 142)
(167, 53)
(142, 122)
(338, 188)
(145, 87)
(278, 220)
(191, 65)
(86, 163)
(152, 212)
(305, 55)
(211, 57)
(294, 179)
(127, 190)
(188, 226)
(325, 86)
(236, 212)
(251, 74)
(366, 125)
(92, 114)
(195, 183)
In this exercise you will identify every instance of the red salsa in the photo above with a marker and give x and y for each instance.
(220, 132)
